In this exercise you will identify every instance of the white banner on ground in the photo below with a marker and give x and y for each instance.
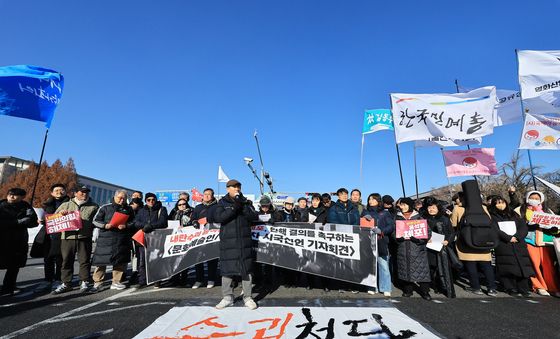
(445, 142)
(285, 322)
(540, 132)
(454, 116)
(539, 77)
(508, 106)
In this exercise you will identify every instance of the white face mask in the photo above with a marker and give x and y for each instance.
(534, 202)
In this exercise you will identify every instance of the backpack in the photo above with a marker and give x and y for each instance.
(476, 230)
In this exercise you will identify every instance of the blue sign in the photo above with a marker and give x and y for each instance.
(168, 196)
(377, 120)
(30, 92)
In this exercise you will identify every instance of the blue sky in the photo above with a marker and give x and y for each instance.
(159, 93)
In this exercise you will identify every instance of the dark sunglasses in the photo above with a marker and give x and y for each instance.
(182, 205)
(150, 199)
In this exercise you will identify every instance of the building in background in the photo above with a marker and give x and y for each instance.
(101, 191)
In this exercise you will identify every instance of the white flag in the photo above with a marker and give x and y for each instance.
(550, 185)
(540, 132)
(444, 142)
(453, 116)
(222, 177)
(508, 106)
(539, 77)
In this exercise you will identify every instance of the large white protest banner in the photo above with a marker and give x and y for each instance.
(508, 106)
(540, 132)
(454, 116)
(285, 322)
(446, 142)
(539, 77)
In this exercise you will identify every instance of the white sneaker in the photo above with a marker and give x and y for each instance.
(210, 284)
(251, 304)
(62, 288)
(196, 285)
(118, 286)
(225, 302)
(84, 287)
(387, 294)
(372, 292)
(542, 291)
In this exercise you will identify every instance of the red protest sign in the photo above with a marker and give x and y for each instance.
(58, 222)
(545, 220)
(118, 219)
(412, 228)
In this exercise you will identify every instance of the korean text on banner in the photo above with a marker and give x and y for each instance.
(539, 78)
(58, 222)
(30, 92)
(545, 220)
(540, 132)
(412, 228)
(507, 108)
(377, 120)
(445, 142)
(476, 161)
(455, 116)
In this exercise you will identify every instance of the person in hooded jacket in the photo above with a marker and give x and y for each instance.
(539, 244)
(513, 263)
(317, 209)
(412, 255)
(356, 200)
(16, 216)
(114, 243)
(148, 218)
(343, 211)
(440, 266)
(202, 211)
(287, 214)
(182, 196)
(384, 226)
(236, 215)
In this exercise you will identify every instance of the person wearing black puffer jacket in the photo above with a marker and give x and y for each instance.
(384, 226)
(114, 243)
(513, 263)
(412, 257)
(440, 265)
(16, 216)
(236, 214)
(150, 217)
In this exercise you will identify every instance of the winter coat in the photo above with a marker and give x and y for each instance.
(15, 219)
(412, 256)
(359, 206)
(302, 214)
(51, 242)
(113, 245)
(512, 259)
(87, 212)
(440, 264)
(340, 214)
(320, 213)
(150, 218)
(385, 222)
(236, 245)
(284, 216)
(204, 210)
(175, 209)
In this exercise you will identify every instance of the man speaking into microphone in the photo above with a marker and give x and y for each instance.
(235, 214)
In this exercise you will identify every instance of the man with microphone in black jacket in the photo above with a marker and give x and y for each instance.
(235, 214)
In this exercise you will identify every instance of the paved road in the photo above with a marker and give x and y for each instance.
(123, 314)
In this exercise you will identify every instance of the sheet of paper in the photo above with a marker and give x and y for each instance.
(312, 218)
(264, 217)
(437, 242)
(508, 227)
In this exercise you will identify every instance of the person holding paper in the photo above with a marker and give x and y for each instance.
(77, 242)
(114, 244)
(513, 263)
(204, 213)
(440, 266)
(16, 216)
(412, 256)
(539, 245)
(150, 217)
(383, 229)
(317, 211)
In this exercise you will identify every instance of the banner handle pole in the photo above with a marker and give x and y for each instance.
(448, 181)
(524, 119)
(362, 162)
(415, 172)
(39, 168)
(397, 147)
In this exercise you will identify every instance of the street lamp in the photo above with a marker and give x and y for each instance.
(248, 162)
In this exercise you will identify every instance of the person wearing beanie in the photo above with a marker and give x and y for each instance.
(412, 255)
(16, 216)
(540, 246)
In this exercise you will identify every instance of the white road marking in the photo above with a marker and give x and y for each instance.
(485, 301)
(59, 320)
(438, 301)
(533, 301)
(94, 334)
(114, 304)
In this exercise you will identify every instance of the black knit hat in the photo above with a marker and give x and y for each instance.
(17, 191)
(150, 195)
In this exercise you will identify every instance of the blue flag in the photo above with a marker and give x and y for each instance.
(30, 92)
(377, 120)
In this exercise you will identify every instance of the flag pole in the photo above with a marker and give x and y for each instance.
(448, 181)
(524, 118)
(468, 146)
(415, 172)
(39, 168)
(362, 162)
(398, 152)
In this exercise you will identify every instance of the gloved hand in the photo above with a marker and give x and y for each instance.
(196, 224)
(368, 217)
(376, 230)
(24, 220)
(414, 240)
(148, 229)
(400, 239)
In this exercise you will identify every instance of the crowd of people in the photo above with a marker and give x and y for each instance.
(521, 262)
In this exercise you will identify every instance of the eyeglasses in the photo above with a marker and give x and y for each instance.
(150, 199)
(182, 205)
